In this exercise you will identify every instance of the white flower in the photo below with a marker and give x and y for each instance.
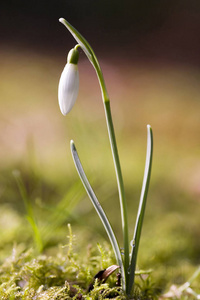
(69, 83)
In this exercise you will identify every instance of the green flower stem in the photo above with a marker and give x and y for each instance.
(113, 144)
(93, 59)
(120, 183)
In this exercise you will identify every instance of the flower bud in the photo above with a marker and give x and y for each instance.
(69, 83)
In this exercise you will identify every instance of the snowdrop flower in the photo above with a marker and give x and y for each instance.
(69, 83)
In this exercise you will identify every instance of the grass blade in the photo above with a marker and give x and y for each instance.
(99, 210)
(29, 212)
(141, 209)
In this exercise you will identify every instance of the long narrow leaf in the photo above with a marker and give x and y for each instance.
(99, 210)
(141, 209)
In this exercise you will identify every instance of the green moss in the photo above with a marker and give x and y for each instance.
(68, 275)
(65, 276)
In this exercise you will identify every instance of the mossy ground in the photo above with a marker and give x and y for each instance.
(66, 275)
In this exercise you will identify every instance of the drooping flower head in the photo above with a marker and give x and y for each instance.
(69, 83)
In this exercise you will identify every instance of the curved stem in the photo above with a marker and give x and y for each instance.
(93, 59)
(89, 53)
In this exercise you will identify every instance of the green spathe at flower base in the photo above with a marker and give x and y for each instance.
(73, 56)
(127, 264)
(69, 83)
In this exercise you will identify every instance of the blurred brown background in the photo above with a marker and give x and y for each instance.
(150, 55)
(154, 30)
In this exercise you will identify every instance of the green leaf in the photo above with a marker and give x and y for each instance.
(99, 210)
(141, 209)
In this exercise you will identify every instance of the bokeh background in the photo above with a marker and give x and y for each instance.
(150, 56)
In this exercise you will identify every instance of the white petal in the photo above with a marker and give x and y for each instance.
(68, 88)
